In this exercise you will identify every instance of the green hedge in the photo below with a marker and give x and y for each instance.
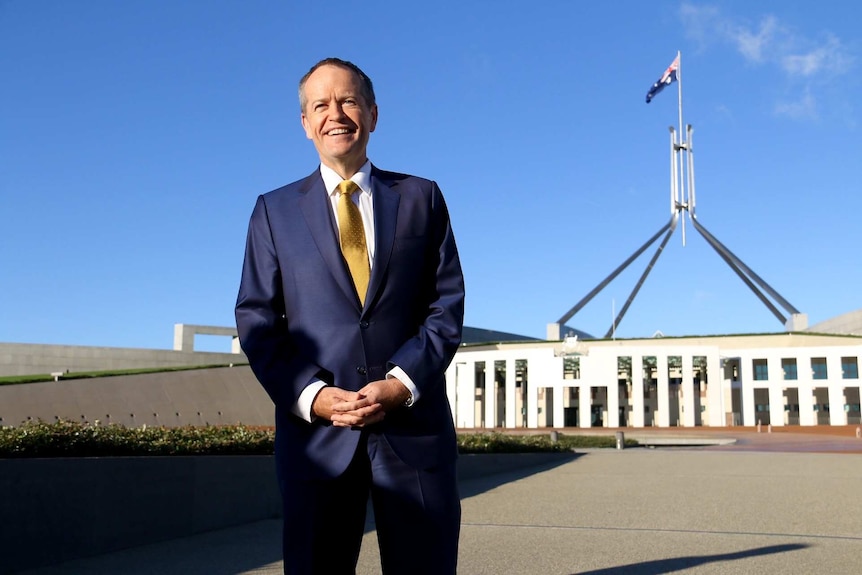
(70, 439)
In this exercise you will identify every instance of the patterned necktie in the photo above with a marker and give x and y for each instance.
(352, 235)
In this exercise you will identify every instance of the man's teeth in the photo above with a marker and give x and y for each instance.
(339, 132)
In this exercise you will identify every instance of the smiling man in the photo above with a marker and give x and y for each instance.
(350, 309)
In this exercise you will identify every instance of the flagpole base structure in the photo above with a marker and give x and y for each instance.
(683, 203)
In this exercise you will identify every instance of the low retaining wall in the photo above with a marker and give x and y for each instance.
(55, 510)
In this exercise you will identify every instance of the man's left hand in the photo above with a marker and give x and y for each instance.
(388, 393)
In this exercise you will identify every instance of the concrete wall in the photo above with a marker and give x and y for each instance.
(225, 395)
(29, 359)
(56, 510)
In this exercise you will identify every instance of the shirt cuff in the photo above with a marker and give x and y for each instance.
(302, 407)
(400, 375)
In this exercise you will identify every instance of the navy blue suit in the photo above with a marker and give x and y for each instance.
(299, 319)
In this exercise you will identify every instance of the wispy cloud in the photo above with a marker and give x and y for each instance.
(829, 57)
(805, 62)
(803, 107)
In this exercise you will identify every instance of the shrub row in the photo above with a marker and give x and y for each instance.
(73, 439)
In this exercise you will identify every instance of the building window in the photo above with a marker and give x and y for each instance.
(674, 369)
(849, 368)
(788, 366)
(761, 370)
(818, 368)
(571, 367)
(624, 370)
(650, 364)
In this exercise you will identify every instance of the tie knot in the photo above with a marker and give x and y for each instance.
(347, 187)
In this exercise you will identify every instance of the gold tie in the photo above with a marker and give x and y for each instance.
(352, 234)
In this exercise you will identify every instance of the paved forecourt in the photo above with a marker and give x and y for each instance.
(695, 510)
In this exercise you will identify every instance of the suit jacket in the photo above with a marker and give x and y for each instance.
(299, 317)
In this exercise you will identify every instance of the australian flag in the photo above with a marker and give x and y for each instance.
(668, 78)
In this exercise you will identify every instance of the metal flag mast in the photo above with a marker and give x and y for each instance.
(682, 199)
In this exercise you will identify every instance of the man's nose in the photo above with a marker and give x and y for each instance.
(337, 110)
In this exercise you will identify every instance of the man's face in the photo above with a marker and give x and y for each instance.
(337, 118)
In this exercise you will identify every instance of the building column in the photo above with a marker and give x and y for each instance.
(510, 393)
(451, 383)
(688, 391)
(184, 339)
(715, 384)
(490, 394)
(584, 406)
(776, 403)
(613, 395)
(637, 399)
(663, 385)
(532, 400)
(746, 378)
(837, 415)
(807, 415)
(559, 418)
(466, 409)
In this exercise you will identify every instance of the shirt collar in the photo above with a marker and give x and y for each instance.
(362, 178)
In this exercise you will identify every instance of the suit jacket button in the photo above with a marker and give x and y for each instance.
(363, 324)
(361, 370)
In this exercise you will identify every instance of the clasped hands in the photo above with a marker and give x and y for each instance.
(360, 408)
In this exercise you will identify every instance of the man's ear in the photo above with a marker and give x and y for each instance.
(305, 125)
(373, 118)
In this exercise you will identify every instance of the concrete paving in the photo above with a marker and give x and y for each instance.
(747, 507)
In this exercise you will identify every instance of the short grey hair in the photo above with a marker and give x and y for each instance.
(364, 81)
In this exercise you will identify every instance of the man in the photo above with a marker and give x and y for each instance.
(350, 309)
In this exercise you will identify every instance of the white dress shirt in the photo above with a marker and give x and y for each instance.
(365, 201)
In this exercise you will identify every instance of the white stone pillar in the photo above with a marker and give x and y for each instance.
(746, 378)
(584, 406)
(466, 409)
(451, 384)
(184, 339)
(776, 401)
(559, 419)
(490, 394)
(663, 411)
(807, 415)
(613, 393)
(837, 415)
(715, 384)
(532, 396)
(688, 390)
(510, 393)
(637, 399)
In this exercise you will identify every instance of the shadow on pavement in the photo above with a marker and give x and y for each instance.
(472, 486)
(660, 566)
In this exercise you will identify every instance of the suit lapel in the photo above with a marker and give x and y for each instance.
(385, 218)
(317, 210)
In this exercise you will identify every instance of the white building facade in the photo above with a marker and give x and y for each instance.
(775, 379)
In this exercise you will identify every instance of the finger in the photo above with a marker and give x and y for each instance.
(357, 419)
(346, 406)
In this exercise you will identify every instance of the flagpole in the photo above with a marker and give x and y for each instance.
(683, 145)
(679, 90)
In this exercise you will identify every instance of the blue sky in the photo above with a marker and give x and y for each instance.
(136, 135)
